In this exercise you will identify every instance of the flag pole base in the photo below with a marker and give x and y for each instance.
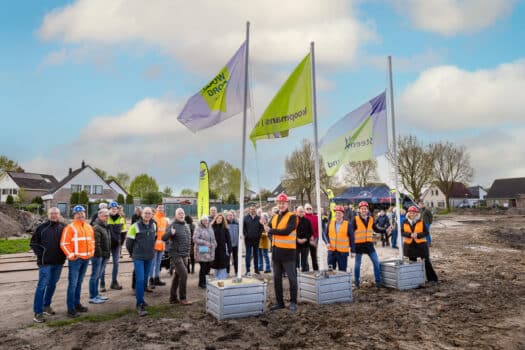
(325, 287)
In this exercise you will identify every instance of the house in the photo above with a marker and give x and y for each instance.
(82, 179)
(509, 193)
(117, 188)
(29, 185)
(460, 196)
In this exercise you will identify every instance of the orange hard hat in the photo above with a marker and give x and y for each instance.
(363, 204)
(413, 209)
(339, 208)
(282, 197)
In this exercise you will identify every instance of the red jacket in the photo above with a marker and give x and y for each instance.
(315, 225)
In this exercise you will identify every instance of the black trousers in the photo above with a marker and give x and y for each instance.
(313, 255)
(279, 267)
(235, 257)
(301, 257)
(204, 271)
(429, 270)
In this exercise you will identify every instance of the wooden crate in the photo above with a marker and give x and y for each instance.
(236, 300)
(401, 274)
(319, 289)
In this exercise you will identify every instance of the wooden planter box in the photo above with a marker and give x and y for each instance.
(319, 289)
(401, 274)
(236, 300)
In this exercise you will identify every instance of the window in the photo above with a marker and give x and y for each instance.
(97, 189)
(76, 188)
(14, 191)
(87, 188)
(441, 204)
(4, 190)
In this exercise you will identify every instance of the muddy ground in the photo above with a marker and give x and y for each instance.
(479, 304)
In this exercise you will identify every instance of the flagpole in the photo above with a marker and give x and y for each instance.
(321, 247)
(243, 162)
(396, 176)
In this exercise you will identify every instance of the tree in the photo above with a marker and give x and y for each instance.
(414, 164)
(7, 164)
(188, 192)
(129, 199)
(213, 195)
(361, 173)
(143, 184)
(152, 198)
(167, 192)
(21, 196)
(226, 179)
(451, 165)
(37, 200)
(120, 199)
(122, 179)
(263, 194)
(300, 172)
(231, 199)
(83, 198)
(9, 200)
(103, 174)
(74, 199)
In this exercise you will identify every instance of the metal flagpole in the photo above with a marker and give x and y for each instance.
(396, 176)
(321, 249)
(243, 162)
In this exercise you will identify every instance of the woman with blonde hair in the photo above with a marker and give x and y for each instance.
(204, 248)
(224, 246)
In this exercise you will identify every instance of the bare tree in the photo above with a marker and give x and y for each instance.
(450, 164)
(300, 172)
(414, 164)
(361, 173)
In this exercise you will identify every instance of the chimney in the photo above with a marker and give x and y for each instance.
(70, 171)
(83, 164)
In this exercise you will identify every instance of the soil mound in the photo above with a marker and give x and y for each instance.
(14, 222)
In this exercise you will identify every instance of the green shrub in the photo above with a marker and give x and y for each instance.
(9, 200)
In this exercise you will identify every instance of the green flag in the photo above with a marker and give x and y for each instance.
(290, 108)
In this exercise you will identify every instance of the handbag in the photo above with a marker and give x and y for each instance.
(204, 249)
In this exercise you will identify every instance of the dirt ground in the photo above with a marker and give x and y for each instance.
(479, 304)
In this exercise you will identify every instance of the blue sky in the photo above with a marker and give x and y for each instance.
(104, 81)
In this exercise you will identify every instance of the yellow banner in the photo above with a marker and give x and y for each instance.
(203, 198)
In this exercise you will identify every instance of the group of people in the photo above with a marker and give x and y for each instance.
(292, 236)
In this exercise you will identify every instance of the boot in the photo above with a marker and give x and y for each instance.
(152, 283)
(158, 282)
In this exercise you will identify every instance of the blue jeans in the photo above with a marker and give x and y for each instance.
(115, 255)
(221, 274)
(429, 237)
(338, 260)
(97, 264)
(394, 238)
(252, 247)
(263, 254)
(154, 271)
(141, 278)
(77, 270)
(48, 276)
(357, 268)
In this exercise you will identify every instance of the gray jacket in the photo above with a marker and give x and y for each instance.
(204, 236)
(102, 239)
(233, 227)
(180, 242)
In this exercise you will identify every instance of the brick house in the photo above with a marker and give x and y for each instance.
(31, 185)
(509, 193)
(82, 179)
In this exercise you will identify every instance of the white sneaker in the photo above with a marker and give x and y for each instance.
(102, 297)
(96, 300)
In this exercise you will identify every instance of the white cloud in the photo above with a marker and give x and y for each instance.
(201, 33)
(448, 98)
(450, 17)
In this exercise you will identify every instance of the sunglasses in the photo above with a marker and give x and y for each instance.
(308, 208)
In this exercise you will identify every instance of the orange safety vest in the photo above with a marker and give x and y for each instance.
(339, 240)
(78, 240)
(162, 225)
(285, 242)
(418, 228)
(363, 234)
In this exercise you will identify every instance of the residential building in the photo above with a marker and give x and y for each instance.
(508, 193)
(460, 196)
(28, 185)
(117, 188)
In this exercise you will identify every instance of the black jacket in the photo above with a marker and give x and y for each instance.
(252, 228)
(46, 243)
(224, 247)
(304, 230)
(102, 239)
(362, 248)
(415, 250)
(280, 254)
(180, 242)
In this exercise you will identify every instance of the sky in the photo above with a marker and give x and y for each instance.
(104, 80)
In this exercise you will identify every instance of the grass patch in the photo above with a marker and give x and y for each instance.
(12, 246)
(90, 318)
(161, 311)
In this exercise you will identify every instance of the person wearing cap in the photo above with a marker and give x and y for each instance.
(140, 244)
(304, 233)
(362, 242)
(101, 205)
(102, 253)
(160, 246)
(78, 244)
(282, 229)
(309, 214)
(415, 233)
(117, 225)
(337, 237)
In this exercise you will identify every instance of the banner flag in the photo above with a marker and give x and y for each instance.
(203, 198)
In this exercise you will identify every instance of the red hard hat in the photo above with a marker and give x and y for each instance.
(363, 204)
(339, 208)
(282, 197)
(413, 209)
